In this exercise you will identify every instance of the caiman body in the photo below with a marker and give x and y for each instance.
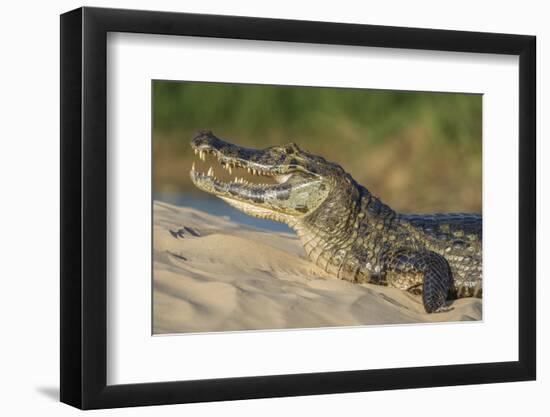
(344, 228)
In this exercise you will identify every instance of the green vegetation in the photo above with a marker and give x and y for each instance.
(418, 151)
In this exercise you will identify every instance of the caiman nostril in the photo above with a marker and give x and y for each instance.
(201, 135)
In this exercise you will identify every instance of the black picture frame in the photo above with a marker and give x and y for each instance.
(84, 207)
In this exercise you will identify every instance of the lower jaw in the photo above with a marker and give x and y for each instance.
(248, 208)
(258, 211)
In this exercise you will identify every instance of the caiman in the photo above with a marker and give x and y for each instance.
(344, 228)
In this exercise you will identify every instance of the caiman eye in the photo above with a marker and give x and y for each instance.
(291, 148)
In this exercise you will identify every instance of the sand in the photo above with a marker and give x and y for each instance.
(212, 274)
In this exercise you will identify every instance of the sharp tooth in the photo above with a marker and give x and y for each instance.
(210, 171)
(230, 172)
(193, 167)
(248, 169)
(196, 151)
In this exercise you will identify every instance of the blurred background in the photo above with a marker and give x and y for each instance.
(419, 152)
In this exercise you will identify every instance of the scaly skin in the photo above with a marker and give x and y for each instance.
(344, 228)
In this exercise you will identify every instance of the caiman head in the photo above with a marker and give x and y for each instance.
(297, 183)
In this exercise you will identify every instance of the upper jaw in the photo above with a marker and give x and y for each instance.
(231, 156)
(230, 162)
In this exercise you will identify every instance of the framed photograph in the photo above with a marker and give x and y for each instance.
(259, 208)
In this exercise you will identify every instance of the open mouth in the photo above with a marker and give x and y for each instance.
(227, 173)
